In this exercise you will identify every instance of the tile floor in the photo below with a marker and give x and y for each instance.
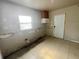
(51, 48)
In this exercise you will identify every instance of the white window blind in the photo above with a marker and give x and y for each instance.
(25, 22)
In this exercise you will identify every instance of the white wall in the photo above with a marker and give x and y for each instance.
(9, 23)
(71, 22)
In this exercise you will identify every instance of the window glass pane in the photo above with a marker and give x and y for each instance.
(25, 26)
(25, 19)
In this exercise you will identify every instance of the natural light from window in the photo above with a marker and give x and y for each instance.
(25, 22)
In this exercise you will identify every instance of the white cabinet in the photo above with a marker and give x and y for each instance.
(44, 20)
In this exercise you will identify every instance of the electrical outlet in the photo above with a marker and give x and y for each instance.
(27, 41)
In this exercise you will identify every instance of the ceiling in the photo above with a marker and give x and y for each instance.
(45, 4)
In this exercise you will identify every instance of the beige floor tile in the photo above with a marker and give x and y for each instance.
(74, 51)
(51, 48)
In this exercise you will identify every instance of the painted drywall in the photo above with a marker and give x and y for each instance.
(49, 31)
(9, 23)
(71, 22)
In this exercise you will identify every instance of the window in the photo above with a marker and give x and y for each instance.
(25, 22)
